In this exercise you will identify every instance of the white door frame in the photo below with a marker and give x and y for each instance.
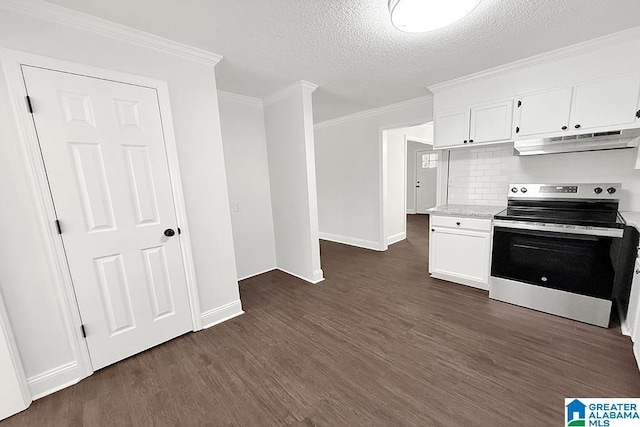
(443, 177)
(12, 61)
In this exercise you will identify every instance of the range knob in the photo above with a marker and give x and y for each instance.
(611, 190)
(597, 190)
(514, 190)
(523, 189)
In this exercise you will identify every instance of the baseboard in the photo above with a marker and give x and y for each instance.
(411, 211)
(221, 314)
(318, 276)
(396, 238)
(461, 281)
(352, 241)
(257, 274)
(53, 380)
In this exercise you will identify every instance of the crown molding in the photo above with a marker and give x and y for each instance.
(240, 99)
(297, 87)
(83, 21)
(561, 53)
(374, 111)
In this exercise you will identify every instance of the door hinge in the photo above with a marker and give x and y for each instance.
(29, 105)
(58, 227)
(179, 231)
(519, 104)
(84, 331)
(517, 129)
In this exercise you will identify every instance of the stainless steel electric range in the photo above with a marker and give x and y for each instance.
(558, 249)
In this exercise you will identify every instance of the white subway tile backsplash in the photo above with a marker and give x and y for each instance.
(480, 174)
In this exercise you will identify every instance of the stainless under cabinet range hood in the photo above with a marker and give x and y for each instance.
(576, 143)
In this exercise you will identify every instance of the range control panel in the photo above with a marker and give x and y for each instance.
(559, 189)
(596, 191)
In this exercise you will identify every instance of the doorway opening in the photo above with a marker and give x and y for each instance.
(414, 177)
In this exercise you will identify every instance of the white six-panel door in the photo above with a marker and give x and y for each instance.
(103, 148)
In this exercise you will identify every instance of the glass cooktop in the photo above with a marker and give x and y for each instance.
(571, 213)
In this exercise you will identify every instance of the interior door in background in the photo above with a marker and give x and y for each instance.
(426, 180)
(103, 148)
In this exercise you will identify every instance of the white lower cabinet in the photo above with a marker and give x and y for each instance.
(633, 315)
(460, 250)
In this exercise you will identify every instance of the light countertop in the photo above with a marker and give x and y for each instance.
(472, 211)
(632, 218)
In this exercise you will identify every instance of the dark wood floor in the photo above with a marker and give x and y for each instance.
(377, 343)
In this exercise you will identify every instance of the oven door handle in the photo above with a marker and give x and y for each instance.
(558, 228)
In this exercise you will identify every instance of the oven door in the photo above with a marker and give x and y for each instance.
(577, 261)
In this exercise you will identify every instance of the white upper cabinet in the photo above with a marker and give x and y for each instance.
(451, 128)
(611, 102)
(481, 124)
(544, 112)
(491, 122)
(597, 106)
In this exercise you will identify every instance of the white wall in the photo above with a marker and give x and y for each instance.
(396, 211)
(349, 171)
(26, 278)
(246, 163)
(481, 175)
(12, 396)
(289, 129)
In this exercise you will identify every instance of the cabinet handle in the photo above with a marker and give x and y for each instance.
(432, 230)
(464, 142)
(638, 271)
(564, 128)
(457, 223)
(577, 126)
(471, 140)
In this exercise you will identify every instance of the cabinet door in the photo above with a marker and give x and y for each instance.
(491, 122)
(606, 103)
(544, 112)
(460, 253)
(451, 128)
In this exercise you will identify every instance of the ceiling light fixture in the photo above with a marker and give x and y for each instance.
(419, 16)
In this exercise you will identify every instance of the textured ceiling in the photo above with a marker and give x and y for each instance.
(350, 48)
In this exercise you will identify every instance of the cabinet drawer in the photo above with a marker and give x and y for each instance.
(461, 222)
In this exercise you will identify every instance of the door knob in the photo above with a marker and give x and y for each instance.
(169, 232)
